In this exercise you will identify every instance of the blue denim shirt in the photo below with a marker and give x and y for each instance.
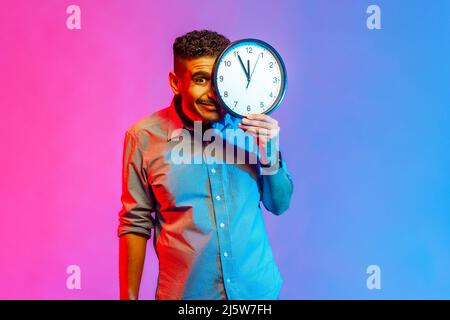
(209, 232)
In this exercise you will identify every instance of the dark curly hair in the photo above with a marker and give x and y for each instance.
(199, 43)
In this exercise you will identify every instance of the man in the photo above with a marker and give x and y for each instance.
(209, 233)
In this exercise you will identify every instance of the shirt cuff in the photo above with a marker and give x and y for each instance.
(272, 169)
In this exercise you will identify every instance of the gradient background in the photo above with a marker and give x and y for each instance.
(365, 131)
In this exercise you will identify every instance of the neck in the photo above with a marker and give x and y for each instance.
(187, 121)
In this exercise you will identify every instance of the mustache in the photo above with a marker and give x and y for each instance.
(209, 102)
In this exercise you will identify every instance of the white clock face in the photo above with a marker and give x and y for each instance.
(249, 78)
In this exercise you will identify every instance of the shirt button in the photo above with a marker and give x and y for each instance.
(222, 225)
(213, 170)
(225, 254)
(217, 197)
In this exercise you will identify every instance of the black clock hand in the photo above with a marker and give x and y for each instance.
(247, 75)
(254, 67)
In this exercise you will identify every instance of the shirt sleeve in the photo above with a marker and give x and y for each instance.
(276, 187)
(137, 197)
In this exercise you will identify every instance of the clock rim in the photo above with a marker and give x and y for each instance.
(284, 78)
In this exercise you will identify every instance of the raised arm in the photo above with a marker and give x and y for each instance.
(276, 182)
(277, 187)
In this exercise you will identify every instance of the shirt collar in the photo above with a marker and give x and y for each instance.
(175, 124)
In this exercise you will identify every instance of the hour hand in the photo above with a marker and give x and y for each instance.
(247, 72)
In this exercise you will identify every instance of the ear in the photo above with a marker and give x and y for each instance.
(174, 83)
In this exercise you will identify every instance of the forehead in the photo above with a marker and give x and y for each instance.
(199, 64)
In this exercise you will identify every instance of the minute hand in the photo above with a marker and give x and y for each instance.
(254, 67)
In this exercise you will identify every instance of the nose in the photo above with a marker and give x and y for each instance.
(212, 93)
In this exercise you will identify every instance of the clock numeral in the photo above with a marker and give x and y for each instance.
(221, 78)
(225, 94)
(271, 95)
(275, 79)
(249, 49)
(227, 63)
(262, 54)
(235, 104)
(261, 104)
(236, 53)
(249, 108)
(270, 64)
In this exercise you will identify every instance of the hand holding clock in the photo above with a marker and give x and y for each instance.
(253, 103)
(266, 132)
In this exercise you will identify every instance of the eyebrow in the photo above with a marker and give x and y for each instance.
(201, 73)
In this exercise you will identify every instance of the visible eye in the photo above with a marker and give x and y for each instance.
(201, 80)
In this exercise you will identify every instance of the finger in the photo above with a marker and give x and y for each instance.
(271, 133)
(261, 117)
(257, 123)
(260, 139)
(255, 130)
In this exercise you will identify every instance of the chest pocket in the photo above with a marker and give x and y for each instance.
(244, 183)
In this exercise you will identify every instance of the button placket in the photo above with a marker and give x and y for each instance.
(216, 180)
